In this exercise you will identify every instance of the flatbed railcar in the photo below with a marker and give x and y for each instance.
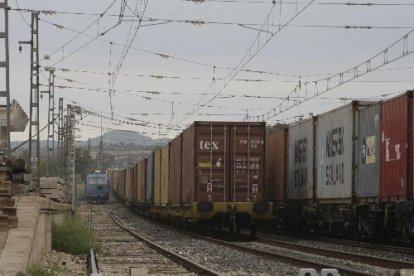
(213, 173)
(347, 171)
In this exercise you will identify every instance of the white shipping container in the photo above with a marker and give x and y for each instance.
(300, 161)
(334, 154)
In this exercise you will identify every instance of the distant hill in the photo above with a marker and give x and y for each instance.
(111, 137)
(126, 137)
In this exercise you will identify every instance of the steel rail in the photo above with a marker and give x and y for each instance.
(296, 261)
(371, 260)
(191, 266)
(92, 262)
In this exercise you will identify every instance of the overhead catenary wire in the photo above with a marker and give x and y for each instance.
(250, 55)
(377, 61)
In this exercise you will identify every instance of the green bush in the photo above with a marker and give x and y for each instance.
(72, 236)
(36, 270)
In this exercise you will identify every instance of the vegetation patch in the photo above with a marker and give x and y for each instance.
(72, 236)
(36, 269)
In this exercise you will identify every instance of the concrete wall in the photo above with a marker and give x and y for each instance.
(33, 236)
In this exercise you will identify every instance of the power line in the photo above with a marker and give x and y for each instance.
(388, 55)
(257, 45)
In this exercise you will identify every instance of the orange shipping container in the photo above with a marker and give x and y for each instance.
(276, 156)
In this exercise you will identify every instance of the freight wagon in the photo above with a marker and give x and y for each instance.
(213, 172)
(346, 171)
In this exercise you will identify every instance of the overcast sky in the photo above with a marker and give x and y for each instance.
(181, 46)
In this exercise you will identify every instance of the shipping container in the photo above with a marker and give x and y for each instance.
(135, 184)
(397, 148)
(142, 180)
(301, 147)
(149, 186)
(129, 184)
(276, 154)
(367, 153)
(176, 171)
(334, 154)
(157, 177)
(223, 161)
(165, 174)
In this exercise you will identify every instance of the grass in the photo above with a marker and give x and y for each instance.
(36, 270)
(72, 236)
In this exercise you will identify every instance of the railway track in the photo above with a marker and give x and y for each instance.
(381, 262)
(124, 252)
(300, 262)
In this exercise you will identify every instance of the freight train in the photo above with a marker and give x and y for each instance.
(97, 187)
(213, 173)
(347, 171)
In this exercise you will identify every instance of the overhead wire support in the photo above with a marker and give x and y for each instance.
(263, 37)
(5, 126)
(51, 126)
(60, 143)
(34, 140)
(396, 51)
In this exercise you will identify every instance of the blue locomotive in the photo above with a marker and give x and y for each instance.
(97, 187)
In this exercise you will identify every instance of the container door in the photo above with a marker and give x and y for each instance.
(334, 147)
(211, 162)
(368, 152)
(300, 161)
(247, 161)
(394, 123)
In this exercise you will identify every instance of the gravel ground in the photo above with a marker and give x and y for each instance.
(322, 259)
(216, 257)
(63, 264)
(345, 248)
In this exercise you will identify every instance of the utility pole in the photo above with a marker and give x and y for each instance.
(70, 151)
(51, 124)
(4, 36)
(61, 144)
(34, 140)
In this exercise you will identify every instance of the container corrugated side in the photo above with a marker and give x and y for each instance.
(165, 174)
(394, 129)
(188, 165)
(367, 153)
(128, 185)
(247, 161)
(334, 155)
(142, 168)
(176, 171)
(211, 161)
(149, 186)
(140, 195)
(276, 154)
(135, 184)
(300, 165)
(157, 177)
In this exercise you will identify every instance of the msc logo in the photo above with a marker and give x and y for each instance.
(207, 145)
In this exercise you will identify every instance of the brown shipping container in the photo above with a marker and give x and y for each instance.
(175, 171)
(397, 148)
(157, 177)
(141, 180)
(128, 183)
(276, 156)
(135, 184)
(165, 174)
(138, 182)
(149, 183)
(223, 161)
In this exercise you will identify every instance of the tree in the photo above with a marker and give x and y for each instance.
(84, 163)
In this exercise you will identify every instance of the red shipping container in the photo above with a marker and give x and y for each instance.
(397, 148)
(276, 164)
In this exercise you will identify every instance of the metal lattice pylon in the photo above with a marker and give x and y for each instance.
(5, 74)
(34, 143)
